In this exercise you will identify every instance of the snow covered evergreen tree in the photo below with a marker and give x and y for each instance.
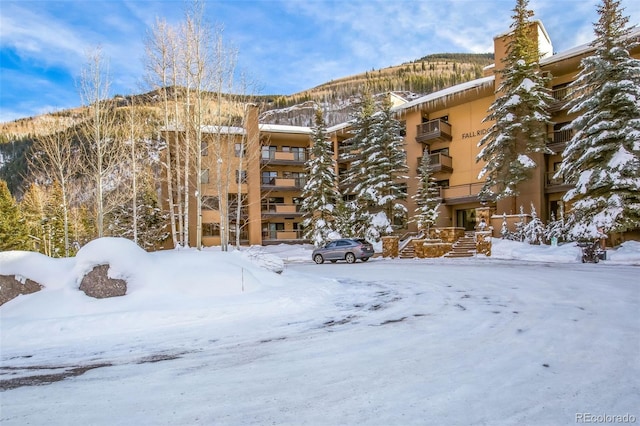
(534, 229)
(518, 234)
(320, 193)
(427, 196)
(603, 156)
(555, 228)
(151, 222)
(519, 114)
(378, 168)
(13, 231)
(504, 229)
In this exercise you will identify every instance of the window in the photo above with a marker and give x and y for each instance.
(269, 178)
(271, 232)
(204, 176)
(402, 188)
(240, 149)
(403, 128)
(210, 203)
(444, 151)
(300, 179)
(241, 177)
(233, 206)
(210, 230)
(268, 152)
(299, 154)
(204, 148)
(269, 204)
(443, 183)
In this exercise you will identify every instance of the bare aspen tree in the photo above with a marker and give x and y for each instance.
(175, 58)
(224, 66)
(102, 151)
(197, 36)
(160, 54)
(57, 159)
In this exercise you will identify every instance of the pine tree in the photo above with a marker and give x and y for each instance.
(504, 230)
(41, 208)
(427, 196)
(534, 230)
(358, 209)
(13, 230)
(151, 223)
(518, 234)
(556, 228)
(378, 172)
(520, 114)
(603, 156)
(320, 193)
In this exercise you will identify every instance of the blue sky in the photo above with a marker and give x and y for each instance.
(285, 45)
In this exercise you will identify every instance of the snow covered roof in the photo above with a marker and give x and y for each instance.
(340, 126)
(579, 50)
(458, 89)
(281, 128)
(227, 130)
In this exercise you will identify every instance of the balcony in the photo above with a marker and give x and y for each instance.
(556, 184)
(284, 158)
(348, 153)
(439, 163)
(279, 237)
(434, 131)
(558, 140)
(283, 184)
(280, 210)
(559, 102)
(460, 194)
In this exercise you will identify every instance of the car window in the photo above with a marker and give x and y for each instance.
(331, 244)
(343, 243)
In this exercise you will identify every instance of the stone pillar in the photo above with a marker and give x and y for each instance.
(390, 246)
(418, 247)
(483, 213)
(483, 242)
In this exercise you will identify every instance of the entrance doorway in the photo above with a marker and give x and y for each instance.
(466, 219)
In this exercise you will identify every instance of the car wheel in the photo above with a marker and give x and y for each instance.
(318, 259)
(350, 257)
(364, 259)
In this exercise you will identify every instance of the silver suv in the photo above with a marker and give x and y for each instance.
(348, 249)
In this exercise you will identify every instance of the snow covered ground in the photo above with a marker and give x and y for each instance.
(527, 336)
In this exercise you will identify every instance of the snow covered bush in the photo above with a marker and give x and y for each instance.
(534, 230)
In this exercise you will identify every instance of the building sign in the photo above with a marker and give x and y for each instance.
(475, 133)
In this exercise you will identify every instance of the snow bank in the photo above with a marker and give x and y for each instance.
(49, 272)
(506, 249)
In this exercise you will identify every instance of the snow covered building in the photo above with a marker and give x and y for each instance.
(446, 125)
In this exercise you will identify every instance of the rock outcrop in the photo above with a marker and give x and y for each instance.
(98, 284)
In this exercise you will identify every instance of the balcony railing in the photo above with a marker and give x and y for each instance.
(439, 162)
(461, 193)
(283, 157)
(284, 183)
(275, 236)
(556, 183)
(558, 140)
(434, 131)
(559, 98)
(280, 209)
